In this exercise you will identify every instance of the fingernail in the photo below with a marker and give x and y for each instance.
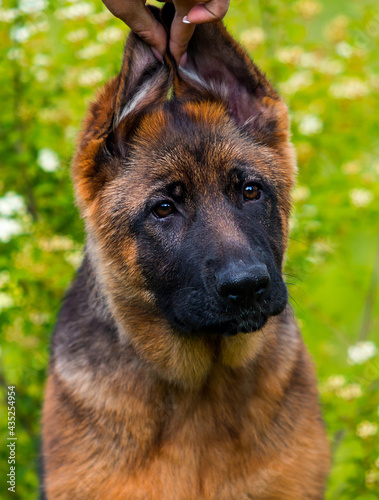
(185, 20)
(157, 54)
(183, 60)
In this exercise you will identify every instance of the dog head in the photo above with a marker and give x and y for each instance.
(183, 177)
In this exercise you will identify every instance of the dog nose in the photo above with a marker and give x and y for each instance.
(243, 284)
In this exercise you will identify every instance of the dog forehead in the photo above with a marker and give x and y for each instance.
(195, 144)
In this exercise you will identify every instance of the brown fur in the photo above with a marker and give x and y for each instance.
(162, 416)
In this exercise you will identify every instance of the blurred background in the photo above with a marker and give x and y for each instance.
(322, 55)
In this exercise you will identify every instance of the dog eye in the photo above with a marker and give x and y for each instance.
(251, 191)
(164, 209)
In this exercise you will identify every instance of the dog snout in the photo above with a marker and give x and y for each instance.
(243, 284)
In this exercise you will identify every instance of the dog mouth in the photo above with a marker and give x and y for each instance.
(197, 316)
(227, 328)
(236, 326)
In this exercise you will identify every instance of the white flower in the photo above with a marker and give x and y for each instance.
(75, 11)
(111, 35)
(32, 6)
(74, 258)
(100, 17)
(39, 318)
(42, 75)
(335, 382)
(344, 49)
(309, 60)
(56, 243)
(16, 54)
(366, 429)
(361, 197)
(308, 8)
(91, 77)
(349, 88)
(253, 37)
(20, 34)
(290, 55)
(350, 391)
(320, 249)
(11, 203)
(5, 301)
(326, 65)
(330, 67)
(77, 35)
(4, 278)
(40, 27)
(92, 50)
(301, 193)
(48, 160)
(8, 15)
(299, 80)
(8, 229)
(361, 352)
(41, 60)
(351, 168)
(51, 115)
(310, 125)
(372, 476)
(336, 30)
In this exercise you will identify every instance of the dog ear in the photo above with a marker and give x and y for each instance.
(141, 86)
(217, 65)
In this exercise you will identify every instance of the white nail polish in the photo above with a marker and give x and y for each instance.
(185, 20)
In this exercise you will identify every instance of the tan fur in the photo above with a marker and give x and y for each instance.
(180, 417)
(189, 442)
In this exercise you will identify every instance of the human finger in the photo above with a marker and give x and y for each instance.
(141, 21)
(208, 12)
(181, 32)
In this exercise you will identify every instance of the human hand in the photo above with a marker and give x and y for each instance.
(188, 13)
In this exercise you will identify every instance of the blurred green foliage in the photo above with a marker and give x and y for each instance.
(323, 58)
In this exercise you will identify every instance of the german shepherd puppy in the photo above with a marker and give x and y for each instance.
(177, 370)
